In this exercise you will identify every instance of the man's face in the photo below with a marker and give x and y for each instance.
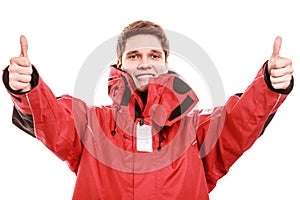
(143, 58)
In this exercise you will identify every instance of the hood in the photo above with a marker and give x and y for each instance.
(169, 97)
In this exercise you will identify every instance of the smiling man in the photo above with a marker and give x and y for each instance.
(150, 143)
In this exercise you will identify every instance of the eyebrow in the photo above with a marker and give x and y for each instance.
(137, 51)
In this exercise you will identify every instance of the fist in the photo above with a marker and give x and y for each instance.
(20, 69)
(280, 69)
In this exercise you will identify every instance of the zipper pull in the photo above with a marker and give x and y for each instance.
(142, 121)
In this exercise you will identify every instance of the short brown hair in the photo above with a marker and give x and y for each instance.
(142, 27)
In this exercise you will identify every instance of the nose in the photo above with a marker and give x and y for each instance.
(145, 63)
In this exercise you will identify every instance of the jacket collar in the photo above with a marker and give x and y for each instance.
(169, 97)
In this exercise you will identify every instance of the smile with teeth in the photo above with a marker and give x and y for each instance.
(144, 76)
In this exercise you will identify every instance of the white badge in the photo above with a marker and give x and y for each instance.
(144, 138)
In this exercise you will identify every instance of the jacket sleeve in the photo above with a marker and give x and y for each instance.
(226, 132)
(59, 123)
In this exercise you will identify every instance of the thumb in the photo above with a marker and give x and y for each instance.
(24, 46)
(276, 46)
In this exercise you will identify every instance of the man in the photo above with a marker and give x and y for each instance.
(150, 143)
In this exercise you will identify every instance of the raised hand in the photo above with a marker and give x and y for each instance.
(280, 69)
(20, 69)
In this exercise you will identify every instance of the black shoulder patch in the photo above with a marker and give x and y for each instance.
(179, 86)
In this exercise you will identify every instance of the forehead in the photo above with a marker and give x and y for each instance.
(138, 42)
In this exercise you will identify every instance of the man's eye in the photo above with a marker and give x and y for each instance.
(133, 57)
(154, 56)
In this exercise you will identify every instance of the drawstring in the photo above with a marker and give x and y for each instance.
(113, 132)
(161, 139)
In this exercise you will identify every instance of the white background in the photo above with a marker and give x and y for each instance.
(237, 35)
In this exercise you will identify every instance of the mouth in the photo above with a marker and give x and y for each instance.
(144, 76)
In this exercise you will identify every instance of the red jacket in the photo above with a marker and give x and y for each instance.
(108, 148)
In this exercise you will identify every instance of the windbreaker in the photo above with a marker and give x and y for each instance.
(158, 148)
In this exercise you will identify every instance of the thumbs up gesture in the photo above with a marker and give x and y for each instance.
(20, 69)
(280, 69)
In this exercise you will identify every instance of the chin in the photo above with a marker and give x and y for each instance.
(143, 88)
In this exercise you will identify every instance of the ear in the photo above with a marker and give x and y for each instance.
(119, 63)
(166, 63)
